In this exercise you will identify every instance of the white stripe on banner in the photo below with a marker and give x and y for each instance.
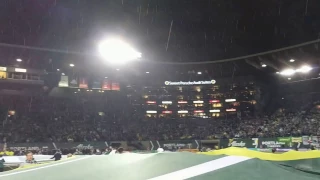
(202, 168)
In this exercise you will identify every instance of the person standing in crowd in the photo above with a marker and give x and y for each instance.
(2, 161)
(57, 156)
(30, 159)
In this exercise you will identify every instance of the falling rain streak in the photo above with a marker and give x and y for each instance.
(206, 29)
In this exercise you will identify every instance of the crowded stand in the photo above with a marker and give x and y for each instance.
(54, 119)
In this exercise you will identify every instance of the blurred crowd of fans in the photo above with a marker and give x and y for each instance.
(50, 119)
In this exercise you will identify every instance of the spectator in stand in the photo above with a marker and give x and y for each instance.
(30, 159)
(2, 161)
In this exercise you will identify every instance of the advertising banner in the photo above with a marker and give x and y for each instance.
(82, 145)
(115, 86)
(29, 146)
(3, 75)
(296, 139)
(308, 141)
(248, 143)
(106, 85)
(182, 83)
(83, 83)
(73, 83)
(96, 84)
(275, 142)
(64, 82)
(175, 145)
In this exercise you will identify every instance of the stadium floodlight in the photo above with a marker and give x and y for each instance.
(58, 69)
(304, 69)
(71, 65)
(117, 51)
(199, 72)
(287, 72)
(19, 60)
(263, 65)
(147, 72)
(291, 60)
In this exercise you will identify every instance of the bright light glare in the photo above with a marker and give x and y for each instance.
(19, 60)
(304, 69)
(291, 60)
(199, 72)
(71, 65)
(117, 51)
(287, 72)
(263, 65)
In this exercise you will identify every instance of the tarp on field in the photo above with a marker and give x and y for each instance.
(171, 166)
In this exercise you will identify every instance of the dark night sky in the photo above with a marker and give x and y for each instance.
(202, 30)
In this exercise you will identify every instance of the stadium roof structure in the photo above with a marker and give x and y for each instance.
(178, 166)
(53, 34)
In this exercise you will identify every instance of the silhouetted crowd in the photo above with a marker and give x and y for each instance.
(52, 119)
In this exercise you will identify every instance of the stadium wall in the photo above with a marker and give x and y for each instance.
(262, 143)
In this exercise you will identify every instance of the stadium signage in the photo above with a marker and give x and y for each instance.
(151, 102)
(3, 68)
(296, 139)
(248, 143)
(182, 102)
(20, 70)
(184, 83)
(273, 144)
(25, 148)
(237, 144)
(214, 110)
(82, 147)
(166, 102)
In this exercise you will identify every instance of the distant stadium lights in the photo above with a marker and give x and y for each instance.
(263, 65)
(304, 69)
(199, 72)
(63, 74)
(291, 60)
(287, 72)
(19, 60)
(277, 72)
(117, 51)
(230, 100)
(58, 69)
(289, 79)
(71, 65)
(166, 102)
(147, 72)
